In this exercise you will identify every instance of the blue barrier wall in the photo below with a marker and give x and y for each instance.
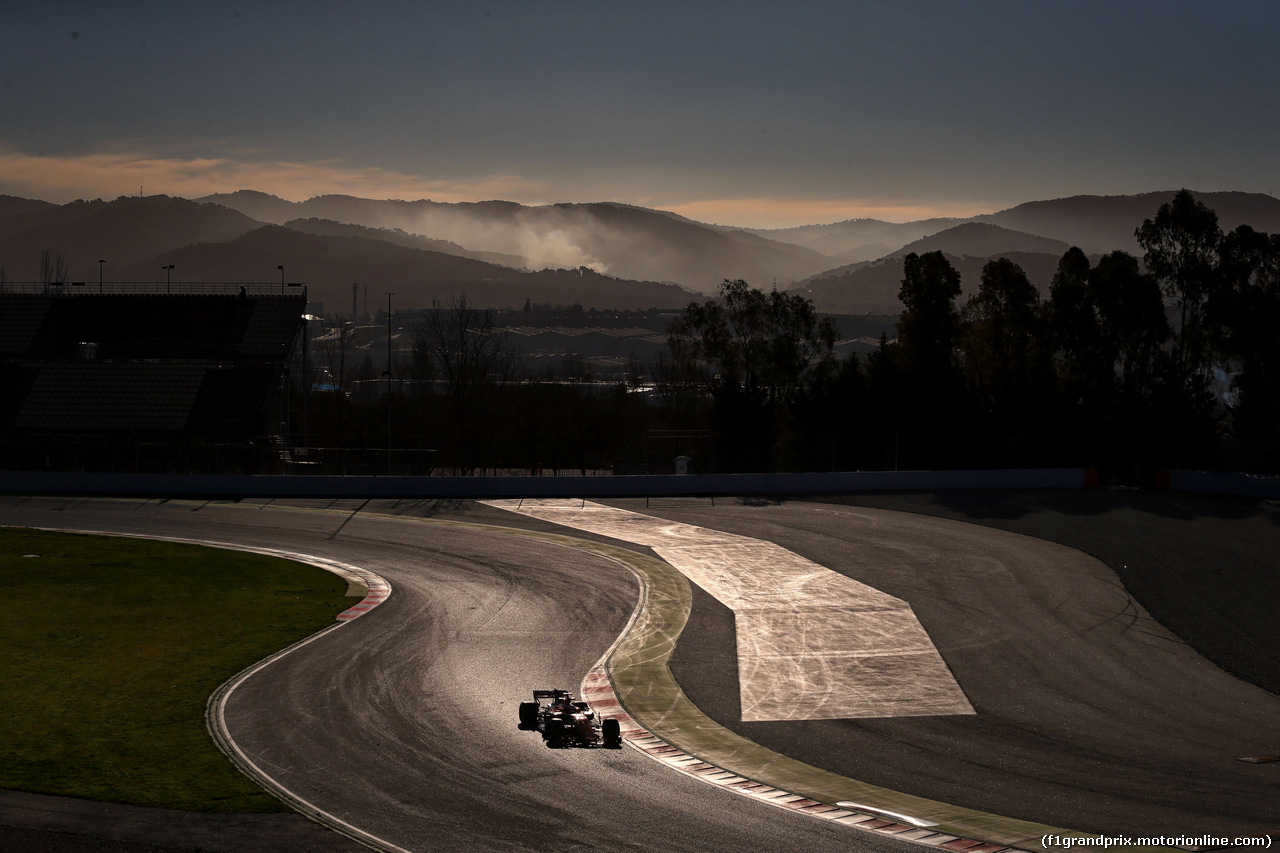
(244, 486)
(237, 486)
(1226, 483)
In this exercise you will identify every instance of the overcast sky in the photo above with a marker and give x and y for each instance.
(741, 113)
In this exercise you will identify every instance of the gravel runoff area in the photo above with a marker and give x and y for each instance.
(1204, 566)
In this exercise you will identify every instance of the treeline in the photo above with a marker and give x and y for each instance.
(1127, 365)
(462, 401)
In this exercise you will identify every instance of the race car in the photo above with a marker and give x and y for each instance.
(565, 721)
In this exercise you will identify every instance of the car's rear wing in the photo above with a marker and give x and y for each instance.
(553, 695)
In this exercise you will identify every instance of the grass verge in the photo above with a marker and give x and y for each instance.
(112, 646)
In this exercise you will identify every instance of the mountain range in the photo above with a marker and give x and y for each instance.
(615, 239)
(600, 255)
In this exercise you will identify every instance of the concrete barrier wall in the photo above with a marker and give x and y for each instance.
(1225, 483)
(244, 486)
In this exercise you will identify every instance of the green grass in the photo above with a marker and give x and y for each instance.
(111, 648)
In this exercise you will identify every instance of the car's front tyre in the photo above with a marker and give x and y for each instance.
(611, 734)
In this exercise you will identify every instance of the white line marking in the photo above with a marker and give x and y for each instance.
(914, 821)
(215, 710)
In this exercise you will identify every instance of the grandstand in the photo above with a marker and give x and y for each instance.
(135, 379)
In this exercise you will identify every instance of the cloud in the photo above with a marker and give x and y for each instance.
(785, 212)
(107, 175)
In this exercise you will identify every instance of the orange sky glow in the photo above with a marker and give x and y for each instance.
(109, 175)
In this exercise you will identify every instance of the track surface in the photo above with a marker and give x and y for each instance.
(1091, 715)
(812, 643)
(404, 721)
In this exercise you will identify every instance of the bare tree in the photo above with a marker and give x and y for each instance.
(460, 345)
(53, 267)
(335, 354)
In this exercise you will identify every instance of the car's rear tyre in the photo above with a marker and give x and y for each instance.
(611, 733)
(528, 714)
(554, 733)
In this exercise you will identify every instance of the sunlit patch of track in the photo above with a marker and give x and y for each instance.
(812, 643)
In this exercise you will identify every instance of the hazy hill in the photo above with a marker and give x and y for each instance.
(437, 249)
(330, 265)
(642, 243)
(40, 215)
(1035, 235)
(12, 205)
(257, 205)
(980, 239)
(330, 228)
(123, 232)
(856, 240)
(1097, 224)
(1101, 224)
(873, 288)
(620, 240)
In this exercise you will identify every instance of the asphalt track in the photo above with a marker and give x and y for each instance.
(1090, 714)
(404, 720)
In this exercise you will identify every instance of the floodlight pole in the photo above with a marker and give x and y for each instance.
(389, 383)
(100, 263)
(281, 268)
(168, 271)
(306, 379)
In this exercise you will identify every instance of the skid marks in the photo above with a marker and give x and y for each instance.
(812, 643)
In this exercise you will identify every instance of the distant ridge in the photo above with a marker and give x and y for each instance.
(621, 240)
(329, 266)
(612, 251)
(330, 228)
(123, 232)
(1099, 224)
(855, 240)
(981, 239)
(11, 205)
(872, 288)
(211, 242)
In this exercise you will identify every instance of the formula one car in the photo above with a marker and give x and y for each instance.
(565, 721)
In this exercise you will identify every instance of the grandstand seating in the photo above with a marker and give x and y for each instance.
(129, 396)
(20, 320)
(185, 365)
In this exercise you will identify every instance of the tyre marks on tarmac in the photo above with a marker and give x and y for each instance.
(377, 589)
(597, 690)
(812, 643)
